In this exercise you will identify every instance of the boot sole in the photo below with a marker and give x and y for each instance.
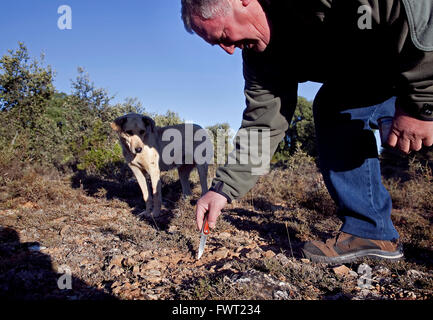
(353, 256)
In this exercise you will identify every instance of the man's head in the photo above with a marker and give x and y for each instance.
(230, 24)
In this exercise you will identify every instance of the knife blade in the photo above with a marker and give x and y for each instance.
(204, 233)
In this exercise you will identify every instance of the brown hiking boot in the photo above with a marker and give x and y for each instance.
(347, 248)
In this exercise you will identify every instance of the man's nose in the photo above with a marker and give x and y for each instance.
(138, 150)
(229, 49)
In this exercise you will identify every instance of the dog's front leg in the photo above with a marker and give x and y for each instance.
(155, 177)
(141, 179)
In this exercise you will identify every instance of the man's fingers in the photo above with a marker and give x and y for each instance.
(392, 140)
(200, 211)
(398, 142)
(409, 133)
(428, 142)
(416, 145)
(212, 202)
(214, 213)
(403, 144)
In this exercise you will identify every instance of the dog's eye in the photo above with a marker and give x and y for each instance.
(142, 132)
(129, 132)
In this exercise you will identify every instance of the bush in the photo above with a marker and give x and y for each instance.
(301, 133)
(53, 129)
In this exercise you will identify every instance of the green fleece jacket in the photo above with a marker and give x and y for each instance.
(334, 42)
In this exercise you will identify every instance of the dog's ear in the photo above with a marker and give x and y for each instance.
(148, 122)
(117, 124)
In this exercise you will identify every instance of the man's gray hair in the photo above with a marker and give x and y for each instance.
(206, 9)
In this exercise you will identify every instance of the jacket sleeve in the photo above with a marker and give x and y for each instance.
(415, 85)
(408, 25)
(270, 104)
(412, 22)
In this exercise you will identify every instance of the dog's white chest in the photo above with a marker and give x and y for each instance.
(147, 160)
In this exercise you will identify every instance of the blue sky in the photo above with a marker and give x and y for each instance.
(133, 48)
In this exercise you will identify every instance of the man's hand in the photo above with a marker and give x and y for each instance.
(410, 134)
(212, 202)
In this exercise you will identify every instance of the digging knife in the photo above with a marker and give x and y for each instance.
(204, 233)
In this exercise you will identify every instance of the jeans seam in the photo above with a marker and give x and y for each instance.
(372, 116)
(370, 195)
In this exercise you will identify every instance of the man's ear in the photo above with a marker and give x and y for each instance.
(149, 122)
(118, 124)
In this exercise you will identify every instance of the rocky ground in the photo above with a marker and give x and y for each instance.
(89, 228)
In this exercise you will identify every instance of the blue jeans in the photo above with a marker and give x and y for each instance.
(348, 158)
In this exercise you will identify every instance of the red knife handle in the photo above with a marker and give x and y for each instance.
(205, 230)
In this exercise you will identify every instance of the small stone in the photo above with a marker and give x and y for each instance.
(152, 264)
(29, 205)
(269, 254)
(135, 293)
(145, 254)
(255, 254)
(235, 254)
(60, 220)
(117, 290)
(130, 262)
(414, 273)
(172, 229)
(4, 196)
(224, 235)
(341, 270)
(227, 266)
(239, 249)
(282, 259)
(305, 260)
(353, 274)
(65, 230)
(131, 252)
(84, 262)
(153, 276)
(154, 273)
(136, 270)
(221, 253)
(117, 260)
(281, 295)
(383, 271)
(172, 258)
(116, 271)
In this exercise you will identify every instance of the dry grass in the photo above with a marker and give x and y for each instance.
(254, 253)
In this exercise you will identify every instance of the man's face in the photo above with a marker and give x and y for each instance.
(237, 29)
